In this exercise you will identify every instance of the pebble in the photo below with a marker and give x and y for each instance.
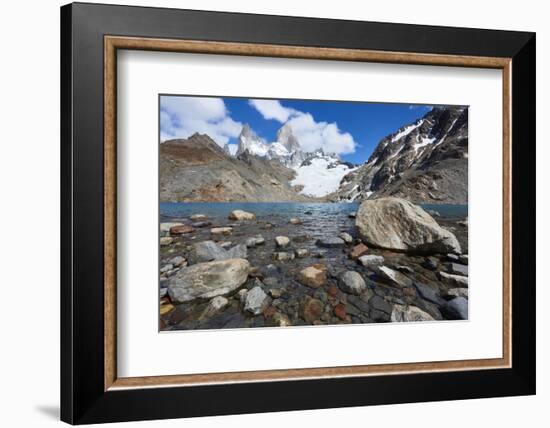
(340, 311)
(283, 256)
(221, 231)
(312, 309)
(348, 239)
(166, 240)
(351, 282)
(178, 261)
(197, 217)
(457, 269)
(282, 241)
(330, 242)
(371, 261)
(295, 221)
(358, 251)
(181, 230)
(394, 277)
(301, 253)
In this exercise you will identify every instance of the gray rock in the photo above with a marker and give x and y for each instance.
(359, 303)
(178, 261)
(166, 240)
(456, 309)
(396, 224)
(401, 313)
(371, 261)
(163, 292)
(453, 280)
(457, 292)
(255, 241)
(380, 309)
(207, 280)
(351, 282)
(271, 281)
(430, 263)
(241, 295)
(295, 221)
(256, 301)
(348, 239)
(463, 258)
(330, 242)
(216, 305)
(166, 268)
(430, 294)
(393, 277)
(301, 253)
(457, 269)
(282, 241)
(207, 251)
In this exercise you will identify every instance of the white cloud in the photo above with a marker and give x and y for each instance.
(181, 117)
(314, 135)
(311, 134)
(272, 109)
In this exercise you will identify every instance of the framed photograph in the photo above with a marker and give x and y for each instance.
(273, 213)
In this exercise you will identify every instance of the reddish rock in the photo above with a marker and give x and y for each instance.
(358, 251)
(333, 291)
(269, 311)
(340, 311)
(181, 230)
(312, 309)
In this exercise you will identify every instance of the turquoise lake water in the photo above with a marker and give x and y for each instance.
(285, 209)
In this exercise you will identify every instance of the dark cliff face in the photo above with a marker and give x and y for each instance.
(198, 169)
(424, 162)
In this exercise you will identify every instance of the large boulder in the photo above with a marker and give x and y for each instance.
(207, 251)
(396, 224)
(207, 280)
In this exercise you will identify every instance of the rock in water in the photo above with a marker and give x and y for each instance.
(221, 230)
(208, 251)
(217, 304)
(255, 241)
(312, 309)
(165, 227)
(331, 242)
(198, 217)
(394, 277)
(396, 224)
(166, 240)
(207, 280)
(256, 301)
(348, 239)
(453, 280)
(181, 230)
(241, 215)
(402, 313)
(371, 261)
(456, 309)
(313, 276)
(358, 251)
(282, 241)
(295, 221)
(457, 269)
(353, 283)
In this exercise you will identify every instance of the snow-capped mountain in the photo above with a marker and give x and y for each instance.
(320, 174)
(425, 161)
(317, 173)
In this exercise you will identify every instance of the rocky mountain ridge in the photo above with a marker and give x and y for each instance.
(424, 162)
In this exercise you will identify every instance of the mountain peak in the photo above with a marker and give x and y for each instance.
(286, 137)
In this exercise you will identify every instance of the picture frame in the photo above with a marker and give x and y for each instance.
(91, 35)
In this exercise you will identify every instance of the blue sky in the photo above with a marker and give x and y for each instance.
(351, 129)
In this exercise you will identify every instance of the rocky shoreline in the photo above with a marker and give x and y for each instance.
(389, 262)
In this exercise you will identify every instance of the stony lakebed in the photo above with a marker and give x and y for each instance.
(236, 265)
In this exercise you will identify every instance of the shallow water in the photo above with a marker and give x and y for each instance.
(284, 209)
